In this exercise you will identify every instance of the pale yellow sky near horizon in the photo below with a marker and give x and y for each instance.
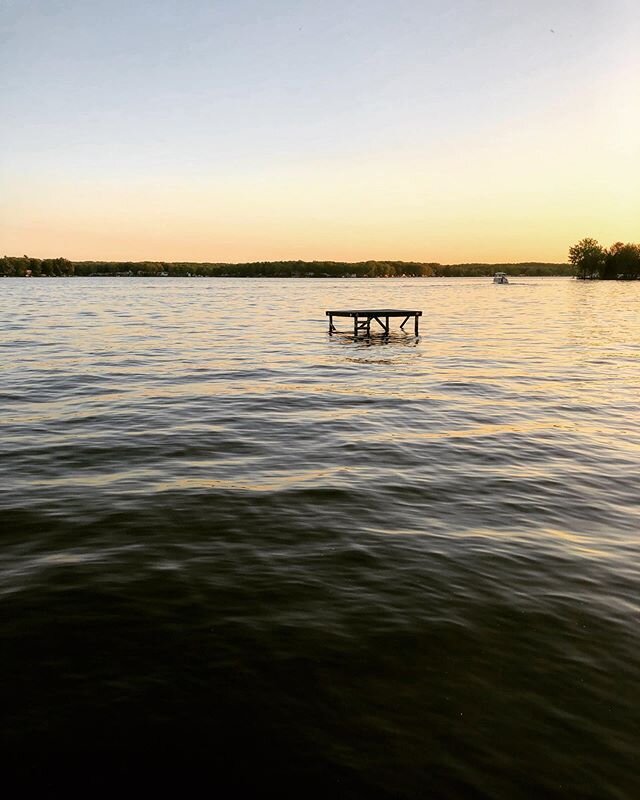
(509, 148)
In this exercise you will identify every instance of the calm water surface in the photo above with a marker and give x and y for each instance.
(237, 547)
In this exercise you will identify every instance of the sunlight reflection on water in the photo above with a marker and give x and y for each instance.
(412, 563)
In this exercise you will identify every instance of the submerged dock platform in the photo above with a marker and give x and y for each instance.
(362, 318)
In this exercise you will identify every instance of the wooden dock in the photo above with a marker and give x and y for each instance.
(362, 318)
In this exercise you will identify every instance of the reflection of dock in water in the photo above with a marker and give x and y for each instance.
(362, 319)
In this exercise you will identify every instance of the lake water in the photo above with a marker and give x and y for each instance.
(234, 546)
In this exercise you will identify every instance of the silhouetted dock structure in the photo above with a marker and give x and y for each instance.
(362, 318)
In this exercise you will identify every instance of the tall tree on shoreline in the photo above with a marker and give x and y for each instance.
(588, 257)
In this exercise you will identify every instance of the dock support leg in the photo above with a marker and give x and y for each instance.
(416, 324)
(331, 328)
(355, 327)
(386, 327)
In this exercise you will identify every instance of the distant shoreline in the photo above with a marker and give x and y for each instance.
(26, 266)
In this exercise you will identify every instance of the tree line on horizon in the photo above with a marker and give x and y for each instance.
(24, 266)
(592, 261)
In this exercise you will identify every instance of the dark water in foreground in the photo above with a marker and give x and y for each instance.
(235, 548)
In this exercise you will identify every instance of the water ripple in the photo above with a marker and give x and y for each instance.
(394, 568)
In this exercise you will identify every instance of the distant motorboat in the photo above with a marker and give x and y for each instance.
(500, 277)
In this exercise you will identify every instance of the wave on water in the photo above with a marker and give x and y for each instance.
(250, 554)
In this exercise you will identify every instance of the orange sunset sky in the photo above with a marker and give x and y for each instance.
(241, 131)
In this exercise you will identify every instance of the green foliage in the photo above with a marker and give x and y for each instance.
(622, 261)
(24, 266)
(588, 258)
(619, 262)
(21, 266)
(526, 269)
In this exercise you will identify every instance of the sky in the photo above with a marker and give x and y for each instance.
(237, 130)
